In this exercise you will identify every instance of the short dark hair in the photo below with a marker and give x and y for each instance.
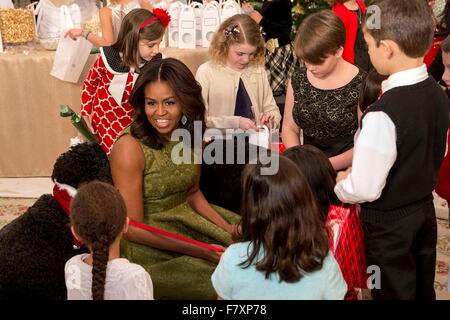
(98, 215)
(186, 89)
(319, 172)
(130, 34)
(409, 23)
(280, 218)
(320, 35)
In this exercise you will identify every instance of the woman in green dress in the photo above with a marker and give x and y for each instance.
(160, 193)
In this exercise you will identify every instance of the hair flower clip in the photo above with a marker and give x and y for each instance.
(232, 31)
(161, 15)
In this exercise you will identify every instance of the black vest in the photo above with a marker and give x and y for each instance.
(420, 115)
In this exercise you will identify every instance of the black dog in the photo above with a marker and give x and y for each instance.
(35, 247)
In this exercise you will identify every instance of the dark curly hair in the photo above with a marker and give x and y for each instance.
(280, 217)
(82, 163)
(186, 89)
(98, 215)
(319, 172)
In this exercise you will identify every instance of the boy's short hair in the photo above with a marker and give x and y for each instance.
(409, 23)
(445, 45)
(321, 34)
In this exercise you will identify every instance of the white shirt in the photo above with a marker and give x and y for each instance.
(375, 149)
(124, 280)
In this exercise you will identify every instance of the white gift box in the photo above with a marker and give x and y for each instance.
(173, 30)
(198, 9)
(186, 28)
(210, 22)
(229, 9)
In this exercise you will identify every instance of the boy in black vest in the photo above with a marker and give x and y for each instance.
(398, 152)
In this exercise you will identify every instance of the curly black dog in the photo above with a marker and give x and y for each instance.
(35, 247)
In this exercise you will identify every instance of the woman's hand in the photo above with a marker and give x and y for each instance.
(233, 229)
(74, 33)
(247, 7)
(267, 119)
(246, 123)
(213, 256)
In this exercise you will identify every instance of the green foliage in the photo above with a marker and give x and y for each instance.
(301, 8)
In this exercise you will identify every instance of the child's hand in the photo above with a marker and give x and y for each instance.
(267, 119)
(246, 123)
(247, 7)
(74, 33)
(343, 174)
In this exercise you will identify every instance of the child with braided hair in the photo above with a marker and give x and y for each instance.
(99, 218)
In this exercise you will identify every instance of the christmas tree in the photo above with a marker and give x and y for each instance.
(301, 8)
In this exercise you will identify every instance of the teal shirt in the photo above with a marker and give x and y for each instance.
(232, 282)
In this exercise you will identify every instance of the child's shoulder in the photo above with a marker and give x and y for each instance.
(77, 260)
(126, 268)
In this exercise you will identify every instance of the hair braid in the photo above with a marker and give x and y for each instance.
(100, 252)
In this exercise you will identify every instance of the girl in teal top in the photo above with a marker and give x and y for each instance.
(282, 251)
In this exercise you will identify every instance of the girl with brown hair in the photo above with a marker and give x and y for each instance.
(99, 218)
(282, 251)
(322, 97)
(106, 89)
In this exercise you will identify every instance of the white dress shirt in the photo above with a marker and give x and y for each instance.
(375, 149)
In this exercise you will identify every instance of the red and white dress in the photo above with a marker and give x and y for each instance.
(105, 95)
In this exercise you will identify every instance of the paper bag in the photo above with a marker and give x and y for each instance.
(70, 58)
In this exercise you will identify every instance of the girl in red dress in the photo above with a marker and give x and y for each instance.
(109, 83)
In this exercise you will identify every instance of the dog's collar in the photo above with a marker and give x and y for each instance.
(63, 194)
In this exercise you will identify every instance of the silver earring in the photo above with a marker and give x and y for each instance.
(183, 120)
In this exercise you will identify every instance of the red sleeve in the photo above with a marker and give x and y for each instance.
(350, 33)
(90, 85)
(443, 185)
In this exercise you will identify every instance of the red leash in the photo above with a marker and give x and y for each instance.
(173, 235)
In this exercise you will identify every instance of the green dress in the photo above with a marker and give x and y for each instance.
(165, 184)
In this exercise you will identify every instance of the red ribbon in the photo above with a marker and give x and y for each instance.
(173, 235)
(64, 199)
